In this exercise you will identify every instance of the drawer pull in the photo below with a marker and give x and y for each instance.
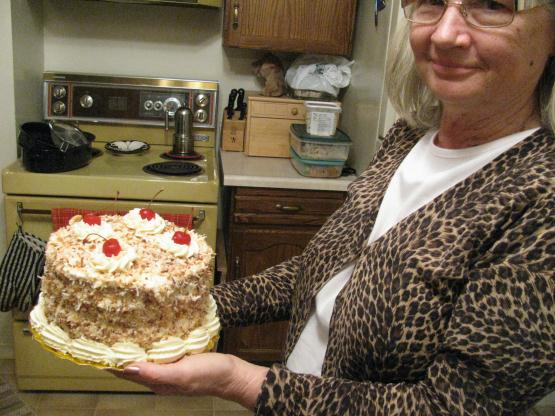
(235, 23)
(288, 208)
(26, 332)
(294, 111)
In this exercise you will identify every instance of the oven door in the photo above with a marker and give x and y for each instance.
(37, 369)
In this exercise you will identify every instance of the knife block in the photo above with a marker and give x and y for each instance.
(233, 133)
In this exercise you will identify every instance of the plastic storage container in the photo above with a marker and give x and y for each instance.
(316, 168)
(322, 117)
(311, 147)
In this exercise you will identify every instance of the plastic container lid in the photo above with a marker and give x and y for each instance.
(339, 137)
(322, 106)
(322, 163)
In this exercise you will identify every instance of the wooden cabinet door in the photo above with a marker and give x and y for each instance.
(253, 250)
(303, 26)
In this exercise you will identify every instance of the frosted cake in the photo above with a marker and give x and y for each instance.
(118, 289)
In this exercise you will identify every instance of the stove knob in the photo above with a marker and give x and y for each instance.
(148, 105)
(86, 101)
(58, 107)
(202, 100)
(158, 105)
(171, 105)
(59, 91)
(201, 116)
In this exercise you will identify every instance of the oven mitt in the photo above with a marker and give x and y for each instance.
(20, 269)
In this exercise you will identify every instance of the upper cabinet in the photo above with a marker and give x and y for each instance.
(301, 26)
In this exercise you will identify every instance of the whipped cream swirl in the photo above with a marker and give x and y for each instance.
(101, 263)
(123, 353)
(83, 230)
(144, 227)
(165, 241)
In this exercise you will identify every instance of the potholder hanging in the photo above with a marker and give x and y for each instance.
(20, 269)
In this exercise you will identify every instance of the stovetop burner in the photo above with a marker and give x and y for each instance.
(189, 156)
(172, 168)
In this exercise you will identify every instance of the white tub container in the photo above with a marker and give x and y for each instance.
(310, 147)
(322, 117)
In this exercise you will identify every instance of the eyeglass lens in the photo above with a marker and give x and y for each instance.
(481, 13)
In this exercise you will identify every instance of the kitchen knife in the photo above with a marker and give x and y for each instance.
(231, 103)
(243, 111)
(240, 99)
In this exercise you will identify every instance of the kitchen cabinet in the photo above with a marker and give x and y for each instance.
(301, 26)
(266, 227)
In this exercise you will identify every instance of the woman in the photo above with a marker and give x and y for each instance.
(437, 295)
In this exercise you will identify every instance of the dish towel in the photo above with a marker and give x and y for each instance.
(20, 269)
(61, 216)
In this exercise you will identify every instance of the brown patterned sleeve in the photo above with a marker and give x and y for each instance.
(264, 297)
(498, 354)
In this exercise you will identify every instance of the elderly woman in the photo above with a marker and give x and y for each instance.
(431, 291)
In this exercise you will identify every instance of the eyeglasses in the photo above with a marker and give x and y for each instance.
(477, 13)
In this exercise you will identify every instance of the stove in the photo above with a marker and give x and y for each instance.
(113, 108)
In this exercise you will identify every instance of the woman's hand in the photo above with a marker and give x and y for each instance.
(214, 374)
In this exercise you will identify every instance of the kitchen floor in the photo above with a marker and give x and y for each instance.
(117, 404)
(144, 404)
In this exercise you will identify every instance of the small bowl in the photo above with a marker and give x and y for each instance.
(127, 147)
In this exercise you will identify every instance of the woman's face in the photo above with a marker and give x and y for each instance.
(470, 67)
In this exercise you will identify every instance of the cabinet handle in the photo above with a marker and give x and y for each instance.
(235, 23)
(288, 208)
(236, 265)
(26, 332)
(294, 111)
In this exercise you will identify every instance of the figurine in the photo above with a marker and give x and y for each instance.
(270, 69)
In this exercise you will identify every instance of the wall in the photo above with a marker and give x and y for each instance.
(7, 147)
(21, 63)
(365, 115)
(143, 40)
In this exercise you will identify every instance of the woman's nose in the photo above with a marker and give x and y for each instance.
(452, 29)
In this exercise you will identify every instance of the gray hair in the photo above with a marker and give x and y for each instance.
(413, 100)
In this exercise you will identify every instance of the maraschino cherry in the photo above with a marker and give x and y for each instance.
(91, 219)
(111, 247)
(147, 214)
(180, 237)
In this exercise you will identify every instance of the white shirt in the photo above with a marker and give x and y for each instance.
(426, 172)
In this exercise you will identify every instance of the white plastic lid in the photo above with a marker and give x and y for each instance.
(322, 105)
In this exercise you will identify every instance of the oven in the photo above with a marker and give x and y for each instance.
(113, 109)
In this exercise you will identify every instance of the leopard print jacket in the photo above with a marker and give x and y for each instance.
(451, 312)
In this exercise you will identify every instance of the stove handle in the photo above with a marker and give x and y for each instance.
(197, 219)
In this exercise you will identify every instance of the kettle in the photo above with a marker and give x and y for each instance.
(183, 141)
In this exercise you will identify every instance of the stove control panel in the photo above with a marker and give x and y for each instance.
(141, 101)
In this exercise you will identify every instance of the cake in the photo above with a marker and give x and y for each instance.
(124, 288)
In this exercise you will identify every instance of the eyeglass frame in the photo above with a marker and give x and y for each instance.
(520, 5)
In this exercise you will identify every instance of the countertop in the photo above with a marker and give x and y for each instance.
(273, 172)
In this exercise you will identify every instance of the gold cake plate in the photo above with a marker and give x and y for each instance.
(65, 356)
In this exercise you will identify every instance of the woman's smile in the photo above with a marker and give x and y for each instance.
(445, 68)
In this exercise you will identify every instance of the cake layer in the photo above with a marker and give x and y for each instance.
(85, 351)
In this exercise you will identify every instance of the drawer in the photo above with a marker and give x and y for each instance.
(268, 137)
(273, 109)
(284, 207)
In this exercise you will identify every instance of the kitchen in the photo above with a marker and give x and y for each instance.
(137, 40)
(104, 38)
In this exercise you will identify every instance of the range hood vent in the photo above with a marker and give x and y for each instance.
(190, 3)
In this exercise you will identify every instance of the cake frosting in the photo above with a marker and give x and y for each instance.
(118, 289)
